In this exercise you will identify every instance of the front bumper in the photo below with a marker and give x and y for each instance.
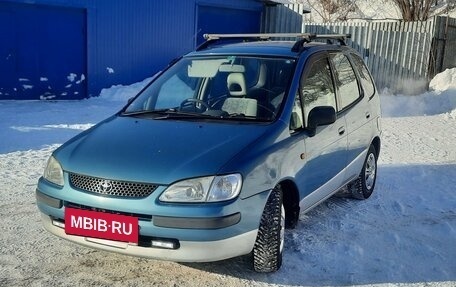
(199, 232)
(188, 251)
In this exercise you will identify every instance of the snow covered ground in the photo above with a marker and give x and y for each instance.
(404, 235)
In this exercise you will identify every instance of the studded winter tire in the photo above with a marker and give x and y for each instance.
(268, 248)
(363, 186)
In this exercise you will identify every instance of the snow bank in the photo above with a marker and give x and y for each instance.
(123, 93)
(444, 81)
(441, 99)
(430, 103)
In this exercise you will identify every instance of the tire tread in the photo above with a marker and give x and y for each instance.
(357, 188)
(267, 256)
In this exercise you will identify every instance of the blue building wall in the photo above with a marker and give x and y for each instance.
(126, 41)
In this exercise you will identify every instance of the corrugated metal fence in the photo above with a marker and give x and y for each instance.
(282, 19)
(396, 52)
(444, 46)
(402, 56)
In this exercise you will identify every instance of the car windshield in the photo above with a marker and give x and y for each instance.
(217, 87)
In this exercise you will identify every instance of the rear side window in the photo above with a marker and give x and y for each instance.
(364, 76)
(345, 80)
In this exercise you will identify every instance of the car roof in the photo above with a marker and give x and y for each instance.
(264, 48)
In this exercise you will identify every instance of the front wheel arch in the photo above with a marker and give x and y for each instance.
(268, 249)
(291, 203)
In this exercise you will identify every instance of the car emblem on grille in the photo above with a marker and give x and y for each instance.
(105, 186)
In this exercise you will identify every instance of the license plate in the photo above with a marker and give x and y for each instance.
(101, 225)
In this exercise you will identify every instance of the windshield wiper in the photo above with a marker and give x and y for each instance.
(146, 112)
(183, 115)
(243, 117)
(171, 113)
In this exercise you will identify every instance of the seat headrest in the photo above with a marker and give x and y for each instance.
(236, 84)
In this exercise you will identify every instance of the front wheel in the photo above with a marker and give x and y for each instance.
(363, 187)
(268, 248)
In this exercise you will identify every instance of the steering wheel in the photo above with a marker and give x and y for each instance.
(193, 102)
(218, 100)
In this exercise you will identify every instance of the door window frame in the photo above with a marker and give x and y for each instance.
(303, 76)
(334, 73)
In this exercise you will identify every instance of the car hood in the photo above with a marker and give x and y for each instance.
(156, 151)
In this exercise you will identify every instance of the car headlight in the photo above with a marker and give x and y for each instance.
(53, 171)
(204, 189)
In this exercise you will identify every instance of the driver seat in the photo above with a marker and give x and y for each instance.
(237, 103)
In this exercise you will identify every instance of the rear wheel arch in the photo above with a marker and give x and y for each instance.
(363, 186)
(376, 144)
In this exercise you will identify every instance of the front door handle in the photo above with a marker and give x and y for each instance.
(368, 115)
(341, 130)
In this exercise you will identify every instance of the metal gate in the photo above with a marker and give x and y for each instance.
(42, 52)
(215, 19)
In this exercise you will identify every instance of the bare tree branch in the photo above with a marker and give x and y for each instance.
(333, 10)
(414, 10)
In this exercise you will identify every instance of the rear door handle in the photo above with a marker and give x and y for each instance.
(368, 115)
(341, 130)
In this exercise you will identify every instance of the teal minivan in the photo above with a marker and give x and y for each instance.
(220, 152)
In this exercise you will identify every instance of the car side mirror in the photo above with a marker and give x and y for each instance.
(320, 116)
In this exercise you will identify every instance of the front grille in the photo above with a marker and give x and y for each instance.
(111, 187)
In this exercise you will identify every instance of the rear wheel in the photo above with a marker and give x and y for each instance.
(363, 186)
(268, 248)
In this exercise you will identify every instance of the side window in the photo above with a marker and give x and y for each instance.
(317, 88)
(345, 80)
(364, 76)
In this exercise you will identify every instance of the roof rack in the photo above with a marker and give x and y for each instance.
(301, 38)
(338, 37)
(328, 37)
(258, 36)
